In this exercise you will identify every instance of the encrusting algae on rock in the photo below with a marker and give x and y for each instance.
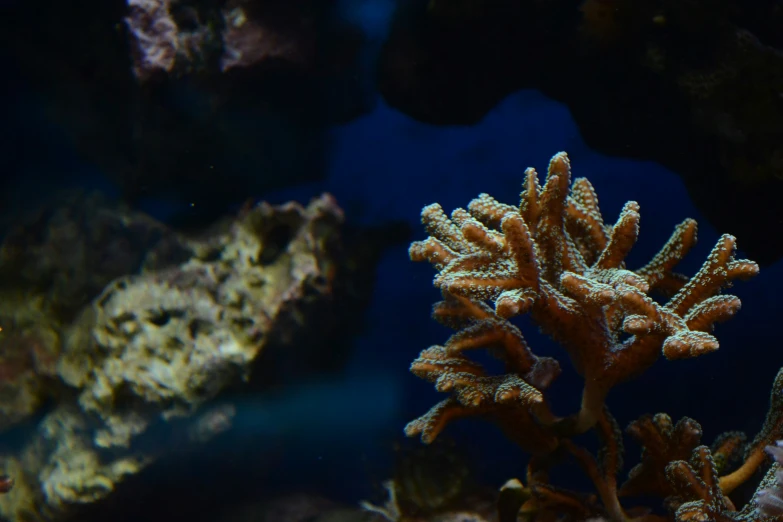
(145, 358)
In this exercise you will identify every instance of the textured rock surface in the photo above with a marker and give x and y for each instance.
(142, 362)
(66, 252)
(52, 264)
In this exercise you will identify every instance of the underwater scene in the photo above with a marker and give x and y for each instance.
(391, 261)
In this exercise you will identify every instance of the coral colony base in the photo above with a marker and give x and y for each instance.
(552, 257)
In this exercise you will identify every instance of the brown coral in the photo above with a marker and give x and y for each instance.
(552, 257)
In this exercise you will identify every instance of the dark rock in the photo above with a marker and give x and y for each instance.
(694, 85)
(203, 102)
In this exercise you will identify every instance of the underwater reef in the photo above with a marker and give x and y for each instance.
(553, 258)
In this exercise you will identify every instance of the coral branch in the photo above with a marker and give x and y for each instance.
(699, 496)
(554, 259)
(771, 431)
(662, 442)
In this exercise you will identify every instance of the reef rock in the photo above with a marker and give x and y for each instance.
(140, 366)
(53, 262)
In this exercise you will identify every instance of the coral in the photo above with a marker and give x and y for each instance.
(554, 259)
(770, 496)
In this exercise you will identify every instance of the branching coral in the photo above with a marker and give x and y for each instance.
(553, 258)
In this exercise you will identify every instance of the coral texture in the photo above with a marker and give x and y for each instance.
(553, 258)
